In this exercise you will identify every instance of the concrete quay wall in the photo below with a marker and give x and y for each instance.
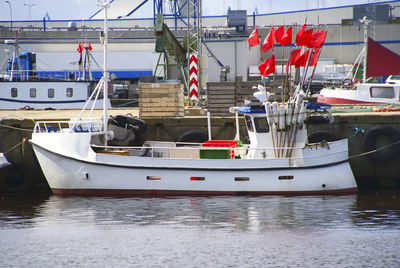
(370, 174)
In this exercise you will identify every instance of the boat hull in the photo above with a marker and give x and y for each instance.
(166, 177)
(35, 95)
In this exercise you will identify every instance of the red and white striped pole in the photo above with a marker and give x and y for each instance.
(193, 77)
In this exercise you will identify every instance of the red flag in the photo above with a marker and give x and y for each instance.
(267, 67)
(303, 37)
(381, 61)
(270, 68)
(291, 60)
(262, 67)
(287, 37)
(90, 46)
(253, 38)
(278, 34)
(314, 57)
(307, 38)
(268, 41)
(317, 39)
(79, 48)
(301, 60)
(300, 34)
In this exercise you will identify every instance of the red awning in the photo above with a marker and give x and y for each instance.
(381, 61)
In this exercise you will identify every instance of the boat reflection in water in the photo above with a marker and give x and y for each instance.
(232, 213)
(266, 231)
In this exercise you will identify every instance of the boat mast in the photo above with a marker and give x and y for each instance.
(365, 22)
(105, 71)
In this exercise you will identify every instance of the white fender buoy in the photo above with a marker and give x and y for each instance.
(269, 113)
(282, 120)
(302, 115)
(275, 112)
(289, 114)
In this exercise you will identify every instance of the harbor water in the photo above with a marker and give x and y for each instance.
(360, 230)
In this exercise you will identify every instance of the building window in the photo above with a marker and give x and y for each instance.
(382, 92)
(70, 92)
(14, 92)
(32, 92)
(50, 93)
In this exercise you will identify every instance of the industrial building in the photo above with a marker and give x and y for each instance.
(132, 41)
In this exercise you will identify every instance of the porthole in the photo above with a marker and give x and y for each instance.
(14, 92)
(197, 178)
(70, 92)
(32, 92)
(242, 178)
(286, 177)
(50, 93)
(153, 178)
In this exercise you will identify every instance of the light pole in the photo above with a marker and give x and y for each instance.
(29, 10)
(9, 4)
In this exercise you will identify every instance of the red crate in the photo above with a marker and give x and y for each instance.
(220, 143)
(223, 144)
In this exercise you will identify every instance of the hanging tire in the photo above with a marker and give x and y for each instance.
(193, 136)
(19, 179)
(371, 137)
(3, 175)
(129, 122)
(319, 136)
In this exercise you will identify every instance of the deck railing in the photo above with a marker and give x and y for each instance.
(83, 125)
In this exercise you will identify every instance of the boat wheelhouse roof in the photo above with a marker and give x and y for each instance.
(253, 109)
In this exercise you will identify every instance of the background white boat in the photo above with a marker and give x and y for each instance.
(377, 61)
(45, 94)
(22, 87)
(361, 93)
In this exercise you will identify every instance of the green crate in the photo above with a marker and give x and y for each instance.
(208, 153)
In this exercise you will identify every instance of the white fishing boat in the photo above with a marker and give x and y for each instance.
(76, 160)
(378, 61)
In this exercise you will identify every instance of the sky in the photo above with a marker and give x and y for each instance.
(84, 9)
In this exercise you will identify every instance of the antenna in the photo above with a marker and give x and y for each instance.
(29, 9)
(365, 22)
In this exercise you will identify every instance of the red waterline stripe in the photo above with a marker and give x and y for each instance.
(162, 193)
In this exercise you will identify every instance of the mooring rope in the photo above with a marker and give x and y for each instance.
(374, 151)
(16, 128)
(24, 140)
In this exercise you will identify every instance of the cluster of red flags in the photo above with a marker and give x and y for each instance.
(81, 47)
(309, 39)
(304, 37)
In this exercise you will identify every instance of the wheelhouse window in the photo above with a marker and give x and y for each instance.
(14, 92)
(249, 124)
(70, 92)
(50, 93)
(382, 92)
(261, 124)
(32, 92)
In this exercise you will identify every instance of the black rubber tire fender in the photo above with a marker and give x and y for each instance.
(371, 137)
(138, 126)
(318, 136)
(19, 179)
(193, 136)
